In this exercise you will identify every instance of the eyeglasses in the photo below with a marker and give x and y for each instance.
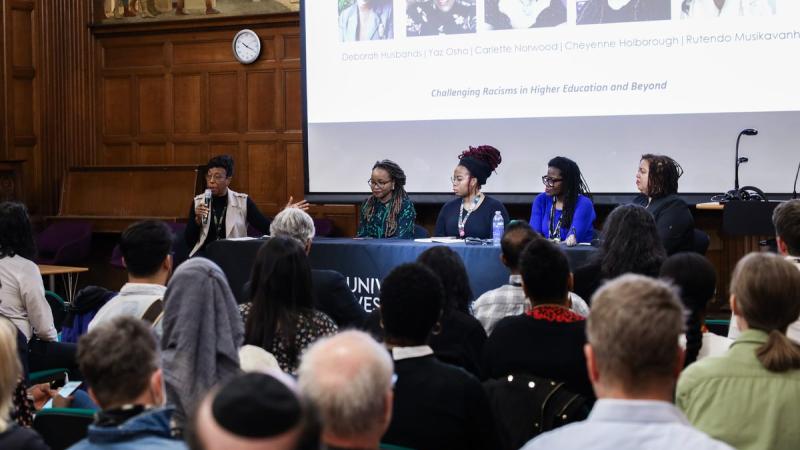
(380, 184)
(217, 178)
(458, 180)
(550, 181)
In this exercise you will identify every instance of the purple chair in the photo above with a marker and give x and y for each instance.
(323, 226)
(64, 243)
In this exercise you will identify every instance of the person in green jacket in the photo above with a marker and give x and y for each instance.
(749, 396)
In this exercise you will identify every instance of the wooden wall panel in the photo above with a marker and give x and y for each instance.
(222, 102)
(293, 105)
(117, 106)
(152, 105)
(261, 89)
(186, 104)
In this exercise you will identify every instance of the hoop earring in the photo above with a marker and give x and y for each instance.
(437, 329)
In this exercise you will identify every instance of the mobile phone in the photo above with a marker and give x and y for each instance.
(65, 392)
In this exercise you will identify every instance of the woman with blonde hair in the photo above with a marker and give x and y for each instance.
(12, 436)
(748, 397)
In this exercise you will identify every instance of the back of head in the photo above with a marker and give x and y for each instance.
(10, 369)
(254, 411)
(630, 243)
(545, 272)
(411, 302)
(786, 219)
(515, 237)
(663, 174)
(223, 162)
(348, 377)
(117, 359)
(293, 223)
(766, 289)
(281, 289)
(633, 331)
(449, 267)
(144, 246)
(16, 234)
(696, 280)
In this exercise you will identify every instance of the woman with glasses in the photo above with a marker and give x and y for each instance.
(564, 211)
(229, 212)
(471, 213)
(657, 181)
(388, 212)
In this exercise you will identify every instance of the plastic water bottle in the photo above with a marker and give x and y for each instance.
(498, 225)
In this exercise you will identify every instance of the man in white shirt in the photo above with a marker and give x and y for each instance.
(786, 219)
(634, 360)
(146, 252)
(509, 299)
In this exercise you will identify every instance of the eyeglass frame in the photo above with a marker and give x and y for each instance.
(380, 184)
(550, 181)
(453, 180)
(216, 177)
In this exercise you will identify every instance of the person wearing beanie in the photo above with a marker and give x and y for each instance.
(255, 411)
(388, 212)
(470, 214)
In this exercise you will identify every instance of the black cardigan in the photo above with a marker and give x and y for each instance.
(673, 219)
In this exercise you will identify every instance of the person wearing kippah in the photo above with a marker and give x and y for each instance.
(388, 212)
(471, 213)
(255, 411)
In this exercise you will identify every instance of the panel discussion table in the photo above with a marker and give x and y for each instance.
(365, 262)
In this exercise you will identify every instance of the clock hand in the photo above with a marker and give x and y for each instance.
(248, 47)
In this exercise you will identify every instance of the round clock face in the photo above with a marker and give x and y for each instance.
(246, 46)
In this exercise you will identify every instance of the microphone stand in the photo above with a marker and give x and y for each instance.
(796, 173)
(735, 194)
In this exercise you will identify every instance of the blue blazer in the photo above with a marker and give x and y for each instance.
(582, 219)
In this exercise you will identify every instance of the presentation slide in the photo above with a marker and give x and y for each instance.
(598, 81)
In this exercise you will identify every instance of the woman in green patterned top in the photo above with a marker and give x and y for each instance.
(388, 212)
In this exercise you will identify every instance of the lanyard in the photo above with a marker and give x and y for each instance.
(554, 229)
(462, 219)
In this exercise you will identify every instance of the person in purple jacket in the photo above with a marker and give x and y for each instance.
(564, 211)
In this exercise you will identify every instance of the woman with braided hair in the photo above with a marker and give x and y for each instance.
(471, 213)
(564, 211)
(657, 181)
(388, 212)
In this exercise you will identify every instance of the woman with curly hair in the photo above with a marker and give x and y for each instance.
(657, 181)
(630, 244)
(564, 211)
(471, 213)
(388, 212)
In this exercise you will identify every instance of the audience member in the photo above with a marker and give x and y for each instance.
(548, 340)
(458, 338)
(280, 317)
(255, 411)
(509, 299)
(657, 181)
(633, 358)
(348, 378)
(630, 244)
(330, 292)
(202, 334)
(22, 293)
(146, 254)
(696, 280)
(436, 405)
(126, 382)
(786, 218)
(748, 397)
(12, 436)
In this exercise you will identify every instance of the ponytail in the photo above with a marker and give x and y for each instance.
(694, 338)
(779, 353)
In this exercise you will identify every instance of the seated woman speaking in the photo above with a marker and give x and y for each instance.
(657, 180)
(471, 214)
(563, 212)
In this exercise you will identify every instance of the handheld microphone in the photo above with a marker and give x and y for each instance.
(207, 203)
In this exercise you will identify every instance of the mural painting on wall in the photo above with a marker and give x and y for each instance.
(127, 11)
